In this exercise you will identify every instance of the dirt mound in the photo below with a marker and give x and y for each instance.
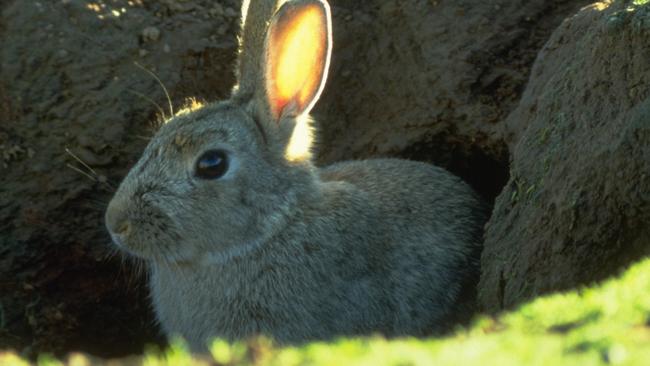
(577, 205)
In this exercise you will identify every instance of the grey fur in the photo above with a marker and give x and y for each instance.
(282, 248)
(257, 13)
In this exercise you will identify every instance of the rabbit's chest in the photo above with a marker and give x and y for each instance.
(230, 304)
(200, 306)
(271, 300)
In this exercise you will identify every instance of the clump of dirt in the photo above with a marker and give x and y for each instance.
(577, 206)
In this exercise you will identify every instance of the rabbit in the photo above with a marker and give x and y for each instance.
(244, 236)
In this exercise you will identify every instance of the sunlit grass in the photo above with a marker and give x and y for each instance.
(10, 359)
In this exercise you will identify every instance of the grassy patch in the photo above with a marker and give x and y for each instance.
(603, 325)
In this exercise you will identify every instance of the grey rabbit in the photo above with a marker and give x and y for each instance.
(243, 235)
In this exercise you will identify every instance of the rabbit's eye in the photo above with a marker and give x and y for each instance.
(212, 164)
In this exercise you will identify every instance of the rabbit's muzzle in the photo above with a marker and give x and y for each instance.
(118, 224)
(139, 227)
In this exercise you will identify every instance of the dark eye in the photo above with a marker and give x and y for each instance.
(212, 164)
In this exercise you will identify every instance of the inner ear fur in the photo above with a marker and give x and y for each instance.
(296, 57)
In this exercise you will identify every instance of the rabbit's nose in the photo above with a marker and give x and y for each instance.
(117, 223)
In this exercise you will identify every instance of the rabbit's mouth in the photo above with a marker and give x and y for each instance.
(123, 242)
(146, 232)
(120, 233)
(130, 240)
(118, 240)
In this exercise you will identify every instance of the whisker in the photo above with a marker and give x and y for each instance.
(97, 206)
(81, 172)
(81, 162)
(105, 181)
(109, 185)
(130, 268)
(160, 109)
(169, 100)
(110, 254)
(93, 176)
(99, 201)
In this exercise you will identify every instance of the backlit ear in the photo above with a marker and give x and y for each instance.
(297, 56)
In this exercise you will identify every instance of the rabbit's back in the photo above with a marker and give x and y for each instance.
(414, 193)
(431, 224)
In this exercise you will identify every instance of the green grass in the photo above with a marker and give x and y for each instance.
(604, 325)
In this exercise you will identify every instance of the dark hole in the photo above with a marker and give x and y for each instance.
(487, 173)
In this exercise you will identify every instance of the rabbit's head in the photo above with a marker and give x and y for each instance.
(215, 182)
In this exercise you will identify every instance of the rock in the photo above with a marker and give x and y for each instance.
(151, 34)
(577, 206)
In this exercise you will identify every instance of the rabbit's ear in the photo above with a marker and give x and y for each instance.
(255, 17)
(296, 57)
